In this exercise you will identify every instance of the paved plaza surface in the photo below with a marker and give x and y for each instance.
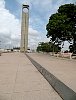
(20, 80)
(63, 69)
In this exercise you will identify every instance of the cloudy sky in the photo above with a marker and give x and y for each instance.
(39, 13)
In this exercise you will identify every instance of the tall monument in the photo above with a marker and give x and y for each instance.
(24, 28)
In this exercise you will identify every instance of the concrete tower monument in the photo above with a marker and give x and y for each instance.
(24, 28)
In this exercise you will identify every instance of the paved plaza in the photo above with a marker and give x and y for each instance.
(20, 80)
(64, 69)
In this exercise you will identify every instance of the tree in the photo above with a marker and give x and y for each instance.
(17, 48)
(45, 47)
(48, 47)
(71, 49)
(62, 25)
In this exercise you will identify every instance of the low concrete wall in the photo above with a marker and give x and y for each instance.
(64, 55)
(64, 91)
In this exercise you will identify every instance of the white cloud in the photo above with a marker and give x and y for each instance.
(33, 32)
(9, 26)
(40, 11)
(35, 37)
(2, 3)
(66, 46)
(10, 29)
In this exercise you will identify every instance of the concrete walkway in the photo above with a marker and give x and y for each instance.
(63, 69)
(20, 80)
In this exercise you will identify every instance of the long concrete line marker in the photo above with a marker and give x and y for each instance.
(64, 91)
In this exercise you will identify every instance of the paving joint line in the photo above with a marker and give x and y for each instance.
(15, 81)
(64, 91)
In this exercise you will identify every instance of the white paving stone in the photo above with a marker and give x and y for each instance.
(20, 80)
(63, 69)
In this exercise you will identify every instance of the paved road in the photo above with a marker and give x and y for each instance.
(63, 69)
(20, 80)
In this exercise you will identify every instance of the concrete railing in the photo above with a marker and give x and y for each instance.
(64, 55)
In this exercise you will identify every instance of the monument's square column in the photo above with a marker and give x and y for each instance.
(24, 28)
